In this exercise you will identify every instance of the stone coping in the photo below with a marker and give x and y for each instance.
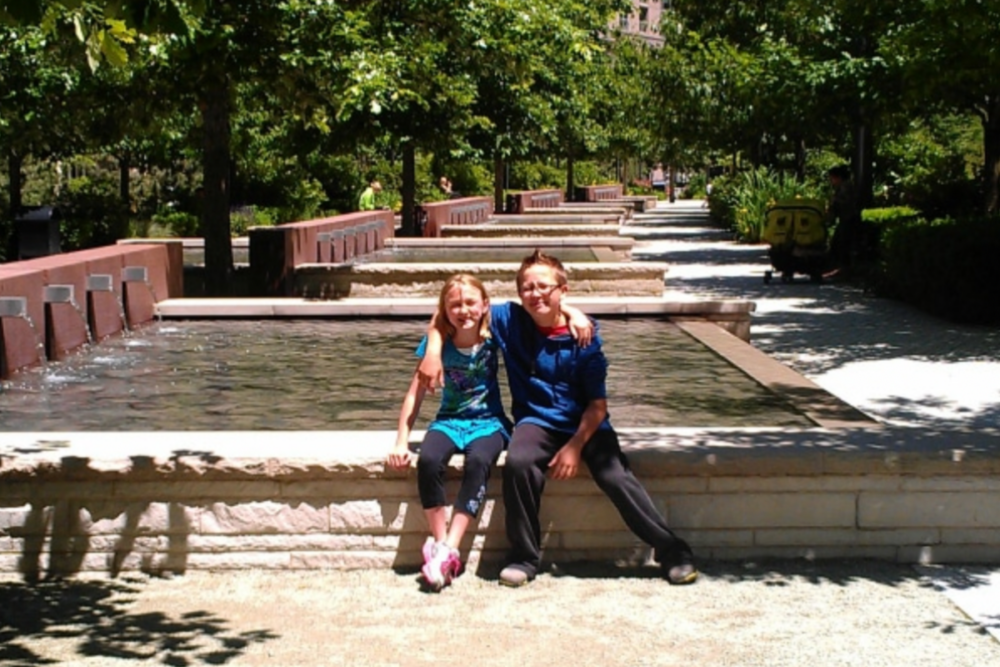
(186, 241)
(459, 241)
(27, 457)
(526, 231)
(587, 208)
(517, 219)
(291, 307)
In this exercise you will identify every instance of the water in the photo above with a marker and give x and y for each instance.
(344, 375)
(467, 255)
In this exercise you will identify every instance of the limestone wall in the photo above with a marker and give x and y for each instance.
(324, 500)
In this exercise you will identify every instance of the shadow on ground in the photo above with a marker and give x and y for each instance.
(94, 616)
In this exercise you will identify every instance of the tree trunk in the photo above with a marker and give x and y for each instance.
(863, 161)
(215, 167)
(125, 192)
(570, 180)
(498, 184)
(15, 187)
(800, 160)
(991, 152)
(409, 190)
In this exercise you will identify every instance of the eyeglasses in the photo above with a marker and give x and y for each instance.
(541, 290)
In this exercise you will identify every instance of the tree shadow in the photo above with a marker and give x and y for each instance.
(95, 617)
(782, 573)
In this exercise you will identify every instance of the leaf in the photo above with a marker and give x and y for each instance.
(78, 27)
(113, 51)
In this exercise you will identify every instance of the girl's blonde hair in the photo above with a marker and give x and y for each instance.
(462, 280)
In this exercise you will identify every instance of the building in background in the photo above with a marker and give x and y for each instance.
(644, 20)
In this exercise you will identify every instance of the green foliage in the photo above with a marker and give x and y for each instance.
(588, 172)
(536, 176)
(93, 214)
(696, 187)
(174, 223)
(947, 266)
(889, 215)
(740, 202)
(930, 164)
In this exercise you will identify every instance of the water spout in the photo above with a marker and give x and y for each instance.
(66, 294)
(13, 306)
(16, 307)
(104, 282)
(139, 274)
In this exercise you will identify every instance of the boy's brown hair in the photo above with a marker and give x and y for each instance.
(539, 258)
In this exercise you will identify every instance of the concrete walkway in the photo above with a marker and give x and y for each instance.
(892, 362)
(896, 364)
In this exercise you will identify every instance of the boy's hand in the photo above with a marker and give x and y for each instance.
(580, 327)
(566, 463)
(430, 372)
(399, 457)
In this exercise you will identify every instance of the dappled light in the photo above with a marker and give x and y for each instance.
(97, 618)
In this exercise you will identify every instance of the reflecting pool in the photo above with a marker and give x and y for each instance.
(347, 375)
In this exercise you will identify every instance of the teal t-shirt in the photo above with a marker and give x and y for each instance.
(470, 399)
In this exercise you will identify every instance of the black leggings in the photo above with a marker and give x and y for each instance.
(480, 457)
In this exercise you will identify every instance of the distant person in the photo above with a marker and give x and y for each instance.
(844, 211)
(366, 202)
(470, 421)
(657, 178)
(444, 184)
(560, 409)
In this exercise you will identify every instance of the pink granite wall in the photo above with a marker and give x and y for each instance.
(464, 211)
(276, 251)
(56, 329)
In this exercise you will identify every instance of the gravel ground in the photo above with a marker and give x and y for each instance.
(777, 613)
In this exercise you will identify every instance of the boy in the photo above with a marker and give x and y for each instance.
(561, 415)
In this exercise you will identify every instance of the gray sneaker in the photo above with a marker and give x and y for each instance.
(681, 570)
(514, 577)
(686, 573)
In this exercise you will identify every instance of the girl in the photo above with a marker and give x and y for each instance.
(470, 420)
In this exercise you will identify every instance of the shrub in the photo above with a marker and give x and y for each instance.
(536, 176)
(175, 223)
(93, 214)
(740, 202)
(947, 267)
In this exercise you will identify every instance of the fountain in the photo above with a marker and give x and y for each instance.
(97, 285)
(61, 294)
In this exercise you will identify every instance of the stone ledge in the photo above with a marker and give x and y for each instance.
(176, 501)
(317, 455)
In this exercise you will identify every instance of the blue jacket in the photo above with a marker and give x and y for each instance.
(552, 380)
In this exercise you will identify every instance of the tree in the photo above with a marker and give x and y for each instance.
(950, 55)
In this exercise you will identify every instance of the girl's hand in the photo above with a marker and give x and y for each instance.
(399, 457)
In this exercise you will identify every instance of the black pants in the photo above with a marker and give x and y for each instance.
(480, 457)
(528, 455)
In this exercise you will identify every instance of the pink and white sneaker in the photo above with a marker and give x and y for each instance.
(442, 566)
(428, 550)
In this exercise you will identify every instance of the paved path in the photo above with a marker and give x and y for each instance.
(895, 363)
